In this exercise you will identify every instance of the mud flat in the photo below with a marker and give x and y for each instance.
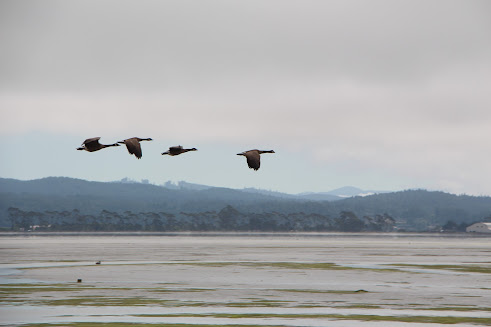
(244, 280)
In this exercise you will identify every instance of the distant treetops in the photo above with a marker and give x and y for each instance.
(133, 145)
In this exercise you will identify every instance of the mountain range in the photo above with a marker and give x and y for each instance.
(333, 195)
(412, 209)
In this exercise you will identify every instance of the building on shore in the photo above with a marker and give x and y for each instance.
(479, 228)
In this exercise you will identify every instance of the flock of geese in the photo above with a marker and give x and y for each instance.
(133, 145)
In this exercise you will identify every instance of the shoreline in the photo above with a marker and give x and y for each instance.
(254, 234)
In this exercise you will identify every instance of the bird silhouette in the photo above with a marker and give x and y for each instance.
(93, 144)
(133, 145)
(254, 157)
(177, 150)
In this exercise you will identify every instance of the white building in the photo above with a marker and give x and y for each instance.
(479, 228)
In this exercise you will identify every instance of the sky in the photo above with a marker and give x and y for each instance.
(381, 95)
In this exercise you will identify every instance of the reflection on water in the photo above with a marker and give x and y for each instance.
(157, 278)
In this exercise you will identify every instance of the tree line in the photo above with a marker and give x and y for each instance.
(227, 219)
(414, 210)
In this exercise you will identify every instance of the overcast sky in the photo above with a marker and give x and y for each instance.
(384, 95)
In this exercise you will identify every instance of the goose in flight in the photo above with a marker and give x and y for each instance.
(254, 157)
(177, 150)
(93, 144)
(133, 145)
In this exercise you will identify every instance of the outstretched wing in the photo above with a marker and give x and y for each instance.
(92, 144)
(253, 159)
(133, 147)
(94, 140)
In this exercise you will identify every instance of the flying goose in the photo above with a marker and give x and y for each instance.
(177, 150)
(254, 157)
(133, 145)
(93, 144)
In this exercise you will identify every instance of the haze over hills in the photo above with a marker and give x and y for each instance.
(412, 209)
(348, 191)
(333, 195)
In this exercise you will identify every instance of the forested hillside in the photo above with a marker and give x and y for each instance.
(419, 208)
(72, 202)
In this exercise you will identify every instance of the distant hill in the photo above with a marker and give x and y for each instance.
(351, 191)
(412, 209)
(182, 185)
(301, 197)
(419, 208)
(62, 193)
(334, 195)
(339, 193)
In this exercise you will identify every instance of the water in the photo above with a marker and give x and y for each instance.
(247, 279)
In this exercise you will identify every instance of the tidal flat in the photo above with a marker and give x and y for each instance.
(244, 280)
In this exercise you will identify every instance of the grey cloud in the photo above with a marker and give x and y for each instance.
(399, 86)
(157, 45)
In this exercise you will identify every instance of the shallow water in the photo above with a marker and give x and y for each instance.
(248, 279)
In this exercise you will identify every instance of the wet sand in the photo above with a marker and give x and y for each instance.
(266, 279)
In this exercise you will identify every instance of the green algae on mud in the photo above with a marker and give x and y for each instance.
(322, 291)
(458, 268)
(283, 265)
(13, 289)
(359, 317)
(257, 303)
(459, 308)
(6, 291)
(360, 306)
(286, 265)
(407, 319)
(126, 324)
(98, 301)
(181, 290)
(101, 301)
(418, 319)
(40, 285)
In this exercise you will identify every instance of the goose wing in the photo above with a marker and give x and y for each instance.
(133, 146)
(253, 159)
(92, 144)
(175, 150)
(93, 140)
